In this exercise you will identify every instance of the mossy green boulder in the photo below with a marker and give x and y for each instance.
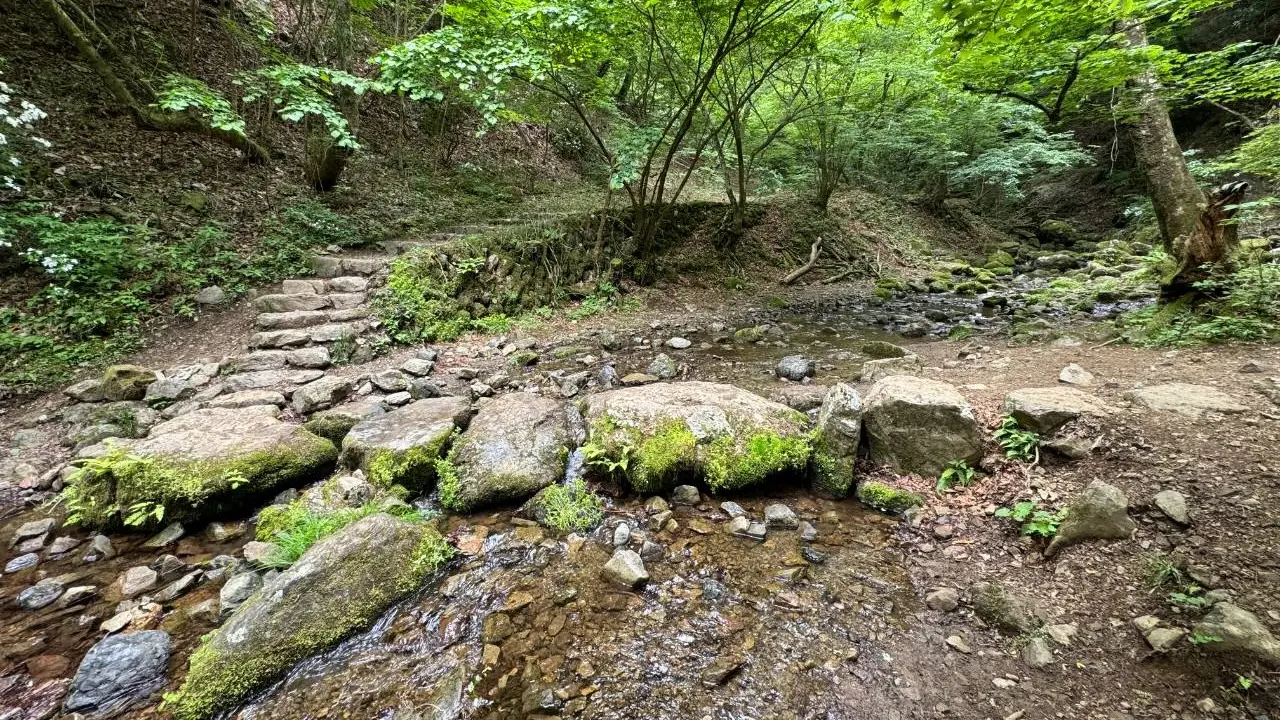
(402, 447)
(338, 587)
(723, 435)
(196, 467)
(516, 445)
(886, 498)
(126, 382)
(836, 439)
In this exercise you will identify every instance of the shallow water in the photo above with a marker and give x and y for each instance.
(806, 634)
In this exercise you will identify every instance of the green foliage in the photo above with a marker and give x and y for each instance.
(180, 94)
(493, 324)
(1201, 638)
(1190, 598)
(572, 507)
(765, 454)
(957, 473)
(1018, 444)
(1033, 521)
(297, 92)
(1243, 306)
(1162, 571)
(417, 304)
(102, 278)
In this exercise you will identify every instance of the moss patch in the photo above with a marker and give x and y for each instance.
(102, 492)
(831, 475)
(660, 459)
(414, 468)
(333, 427)
(449, 484)
(570, 508)
(730, 467)
(887, 498)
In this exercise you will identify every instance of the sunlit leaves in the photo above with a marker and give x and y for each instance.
(180, 93)
(297, 92)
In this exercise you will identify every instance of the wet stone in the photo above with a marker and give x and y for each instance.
(626, 568)
(169, 535)
(621, 535)
(62, 545)
(756, 530)
(135, 581)
(78, 594)
(808, 532)
(685, 495)
(780, 516)
(22, 562)
(238, 589)
(497, 627)
(650, 550)
(794, 367)
(39, 595)
(119, 672)
(100, 548)
(656, 505)
(732, 509)
(31, 530)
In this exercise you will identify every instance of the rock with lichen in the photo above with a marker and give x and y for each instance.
(402, 447)
(338, 587)
(726, 436)
(836, 439)
(195, 467)
(917, 425)
(515, 446)
(1101, 512)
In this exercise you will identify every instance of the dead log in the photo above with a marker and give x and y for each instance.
(799, 272)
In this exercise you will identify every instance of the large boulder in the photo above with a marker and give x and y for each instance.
(337, 422)
(1101, 512)
(1186, 399)
(679, 431)
(917, 425)
(1235, 631)
(836, 439)
(339, 586)
(198, 465)
(515, 446)
(118, 673)
(126, 382)
(402, 447)
(1046, 409)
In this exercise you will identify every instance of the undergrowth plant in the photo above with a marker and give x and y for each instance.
(1032, 520)
(1243, 306)
(572, 507)
(957, 473)
(1018, 444)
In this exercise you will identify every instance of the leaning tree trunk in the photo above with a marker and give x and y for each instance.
(1192, 224)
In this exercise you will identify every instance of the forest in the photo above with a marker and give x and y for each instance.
(639, 358)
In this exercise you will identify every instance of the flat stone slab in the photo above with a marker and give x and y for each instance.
(279, 339)
(291, 320)
(202, 461)
(291, 303)
(1045, 409)
(1186, 399)
(270, 379)
(401, 447)
(917, 425)
(516, 445)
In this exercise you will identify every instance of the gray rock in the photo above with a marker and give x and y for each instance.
(170, 534)
(626, 568)
(205, 611)
(22, 562)
(650, 550)
(881, 350)
(838, 433)
(406, 443)
(178, 587)
(685, 495)
(516, 445)
(236, 590)
(1187, 399)
(609, 340)
(77, 595)
(211, 295)
(62, 545)
(258, 552)
(295, 320)
(942, 599)
(417, 367)
(808, 532)
(290, 303)
(398, 399)
(1073, 374)
(794, 367)
(163, 393)
(126, 382)
(86, 391)
(756, 530)
(663, 367)
(119, 673)
(248, 398)
(134, 582)
(309, 357)
(875, 370)
(621, 535)
(1044, 410)
(321, 394)
(1174, 505)
(738, 525)
(32, 529)
(917, 425)
(781, 517)
(168, 567)
(100, 548)
(679, 343)
(1101, 512)
(269, 379)
(1164, 639)
(1037, 653)
(350, 284)
(1003, 609)
(40, 595)
(390, 381)
(279, 339)
(732, 509)
(1238, 633)
(334, 424)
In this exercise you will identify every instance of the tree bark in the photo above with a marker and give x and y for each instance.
(144, 116)
(1192, 226)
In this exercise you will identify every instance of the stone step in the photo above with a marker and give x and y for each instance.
(336, 331)
(310, 318)
(303, 286)
(270, 379)
(310, 358)
(291, 303)
(329, 266)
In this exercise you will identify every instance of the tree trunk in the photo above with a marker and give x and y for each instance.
(1191, 223)
(144, 116)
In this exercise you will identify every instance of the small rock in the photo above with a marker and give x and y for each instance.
(720, 671)
(134, 582)
(1174, 505)
(1163, 639)
(204, 611)
(626, 568)
(678, 343)
(100, 548)
(621, 535)
(238, 589)
(732, 509)
(1073, 374)
(170, 534)
(119, 672)
(738, 525)
(32, 529)
(497, 627)
(794, 367)
(685, 495)
(417, 367)
(957, 643)
(1003, 609)
(656, 505)
(1004, 683)
(22, 562)
(259, 552)
(1146, 623)
(1037, 653)
(662, 367)
(808, 532)
(757, 531)
(178, 587)
(211, 295)
(780, 516)
(942, 599)
(40, 595)
(651, 550)
(77, 594)
(1100, 512)
(1253, 366)
(62, 545)
(1062, 633)
(1239, 632)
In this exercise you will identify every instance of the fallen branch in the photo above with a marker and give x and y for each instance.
(799, 272)
(840, 276)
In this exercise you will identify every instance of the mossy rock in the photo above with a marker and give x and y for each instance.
(338, 587)
(197, 466)
(999, 259)
(880, 350)
(720, 434)
(886, 498)
(516, 445)
(402, 447)
(334, 424)
(126, 382)
(566, 507)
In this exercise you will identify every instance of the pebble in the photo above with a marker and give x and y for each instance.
(732, 509)
(22, 562)
(621, 535)
(626, 568)
(942, 599)
(685, 495)
(679, 343)
(957, 643)
(780, 516)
